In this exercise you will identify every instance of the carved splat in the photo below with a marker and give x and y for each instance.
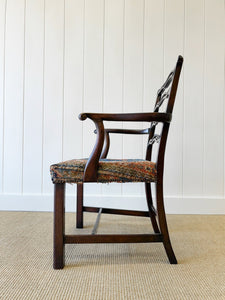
(156, 138)
(164, 92)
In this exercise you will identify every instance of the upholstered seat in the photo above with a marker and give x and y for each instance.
(109, 170)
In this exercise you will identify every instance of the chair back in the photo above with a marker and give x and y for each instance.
(165, 101)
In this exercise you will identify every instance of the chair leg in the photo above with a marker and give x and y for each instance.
(148, 193)
(79, 205)
(59, 226)
(163, 224)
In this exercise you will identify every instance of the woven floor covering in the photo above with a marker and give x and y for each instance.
(112, 271)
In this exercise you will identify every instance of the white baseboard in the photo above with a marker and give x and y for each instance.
(173, 204)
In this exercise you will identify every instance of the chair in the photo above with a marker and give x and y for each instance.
(97, 168)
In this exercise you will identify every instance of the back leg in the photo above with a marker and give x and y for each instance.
(79, 205)
(163, 224)
(151, 208)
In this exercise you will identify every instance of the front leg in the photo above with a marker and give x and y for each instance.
(79, 205)
(59, 226)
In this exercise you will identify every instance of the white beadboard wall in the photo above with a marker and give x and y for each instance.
(62, 57)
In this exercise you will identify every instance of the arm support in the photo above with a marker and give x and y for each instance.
(91, 168)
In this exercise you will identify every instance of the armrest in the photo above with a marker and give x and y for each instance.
(135, 117)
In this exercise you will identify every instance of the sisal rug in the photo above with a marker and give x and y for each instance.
(112, 271)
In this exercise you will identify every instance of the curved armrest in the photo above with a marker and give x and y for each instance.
(135, 117)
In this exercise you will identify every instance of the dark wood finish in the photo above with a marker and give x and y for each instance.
(158, 218)
(113, 238)
(152, 212)
(106, 145)
(59, 226)
(91, 168)
(163, 224)
(135, 213)
(80, 205)
(131, 117)
(127, 131)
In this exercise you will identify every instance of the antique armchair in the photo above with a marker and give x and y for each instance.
(97, 168)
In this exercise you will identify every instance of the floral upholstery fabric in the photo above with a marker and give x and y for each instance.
(130, 170)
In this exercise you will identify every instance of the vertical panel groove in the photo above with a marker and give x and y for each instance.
(124, 15)
(143, 59)
(184, 105)
(183, 114)
(163, 38)
(143, 74)
(103, 56)
(124, 7)
(224, 103)
(63, 79)
(83, 75)
(124, 12)
(203, 108)
(43, 99)
(24, 71)
(3, 100)
(143, 62)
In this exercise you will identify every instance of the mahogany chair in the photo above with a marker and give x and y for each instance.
(99, 169)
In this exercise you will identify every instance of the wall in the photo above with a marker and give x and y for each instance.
(62, 57)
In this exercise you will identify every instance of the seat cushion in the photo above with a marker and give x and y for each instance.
(110, 170)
